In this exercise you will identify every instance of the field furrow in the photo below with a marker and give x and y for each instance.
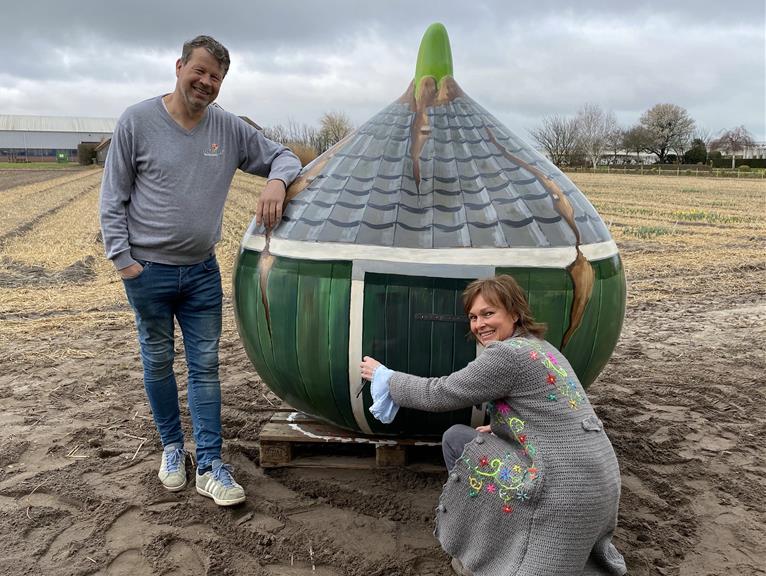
(21, 207)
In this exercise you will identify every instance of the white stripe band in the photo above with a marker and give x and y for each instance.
(436, 262)
(560, 257)
(355, 327)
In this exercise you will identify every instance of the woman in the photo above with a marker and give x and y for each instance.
(536, 491)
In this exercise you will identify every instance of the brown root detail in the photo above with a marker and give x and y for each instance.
(265, 262)
(302, 181)
(420, 131)
(448, 91)
(583, 279)
(581, 272)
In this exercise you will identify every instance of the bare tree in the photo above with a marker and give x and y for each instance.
(302, 139)
(558, 137)
(594, 125)
(614, 142)
(276, 133)
(335, 126)
(292, 133)
(702, 138)
(308, 142)
(669, 127)
(733, 141)
(636, 140)
(702, 134)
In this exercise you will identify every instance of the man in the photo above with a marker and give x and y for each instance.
(167, 175)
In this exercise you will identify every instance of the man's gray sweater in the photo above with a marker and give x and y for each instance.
(164, 187)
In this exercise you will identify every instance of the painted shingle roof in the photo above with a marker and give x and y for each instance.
(479, 186)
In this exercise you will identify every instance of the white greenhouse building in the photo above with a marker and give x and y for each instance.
(46, 138)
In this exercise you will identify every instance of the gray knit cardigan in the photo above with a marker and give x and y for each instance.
(538, 496)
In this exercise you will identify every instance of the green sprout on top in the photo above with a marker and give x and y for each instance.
(434, 56)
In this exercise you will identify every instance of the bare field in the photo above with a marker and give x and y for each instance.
(682, 399)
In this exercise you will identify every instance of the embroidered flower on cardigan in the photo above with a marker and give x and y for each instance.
(508, 476)
(502, 407)
(551, 379)
(475, 485)
(557, 376)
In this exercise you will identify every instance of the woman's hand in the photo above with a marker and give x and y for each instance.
(368, 366)
(484, 429)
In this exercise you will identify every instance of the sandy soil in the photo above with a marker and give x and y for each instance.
(682, 399)
(22, 176)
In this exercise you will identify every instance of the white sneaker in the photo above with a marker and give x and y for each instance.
(219, 485)
(172, 472)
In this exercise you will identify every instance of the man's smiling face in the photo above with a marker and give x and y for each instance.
(199, 80)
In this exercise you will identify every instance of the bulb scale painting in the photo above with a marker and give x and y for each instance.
(383, 231)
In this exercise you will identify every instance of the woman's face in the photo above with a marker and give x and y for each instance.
(490, 323)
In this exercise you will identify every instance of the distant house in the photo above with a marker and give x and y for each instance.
(44, 138)
(757, 150)
(101, 150)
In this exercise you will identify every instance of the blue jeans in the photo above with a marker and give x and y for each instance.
(192, 295)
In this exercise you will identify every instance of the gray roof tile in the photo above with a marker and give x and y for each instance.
(473, 191)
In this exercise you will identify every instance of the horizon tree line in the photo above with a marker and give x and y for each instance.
(308, 142)
(665, 130)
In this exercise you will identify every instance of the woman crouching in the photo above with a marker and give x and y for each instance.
(536, 492)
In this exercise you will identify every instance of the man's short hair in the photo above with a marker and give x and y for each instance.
(216, 49)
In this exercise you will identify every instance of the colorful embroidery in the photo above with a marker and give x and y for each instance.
(511, 477)
(563, 386)
(514, 476)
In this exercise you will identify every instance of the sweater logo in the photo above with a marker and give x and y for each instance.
(214, 150)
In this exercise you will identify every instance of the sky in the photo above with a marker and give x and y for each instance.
(295, 60)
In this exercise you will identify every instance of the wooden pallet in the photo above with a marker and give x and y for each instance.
(297, 440)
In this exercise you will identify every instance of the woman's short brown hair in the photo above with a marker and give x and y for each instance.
(504, 291)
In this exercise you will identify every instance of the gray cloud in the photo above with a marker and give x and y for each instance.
(295, 59)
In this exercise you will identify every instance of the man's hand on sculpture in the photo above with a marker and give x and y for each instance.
(269, 210)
